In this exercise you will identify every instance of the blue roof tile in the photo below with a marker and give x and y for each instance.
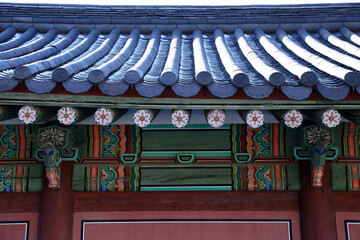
(196, 55)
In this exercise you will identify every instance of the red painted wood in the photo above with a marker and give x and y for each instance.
(56, 208)
(19, 202)
(317, 216)
(185, 201)
(13, 231)
(351, 230)
(186, 230)
(347, 201)
(252, 225)
(12, 226)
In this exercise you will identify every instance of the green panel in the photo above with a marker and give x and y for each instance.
(186, 140)
(196, 154)
(81, 139)
(195, 188)
(185, 176)
(293, 177)
(291, 139)
(36, 173)
(338, 177)
(78, 178)
(337, 140)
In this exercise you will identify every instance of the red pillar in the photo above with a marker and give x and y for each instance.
(317, 215)
(56, 208)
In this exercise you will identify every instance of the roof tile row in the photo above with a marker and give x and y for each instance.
(257, 62)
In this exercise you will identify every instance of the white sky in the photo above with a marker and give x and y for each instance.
(180, 2)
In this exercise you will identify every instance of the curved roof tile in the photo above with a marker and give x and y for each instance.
(7, 34)
(202, 69)
(305, 74)
(170, 73)
(238, 77)
(100, 73)
(273, 76)
(134, 74)
(222, 62)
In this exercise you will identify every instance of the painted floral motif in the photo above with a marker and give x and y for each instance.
(255, 119)
(142, 118)
(331, 118)
(180, 118)
(103, 116)
(293, 119)
(27, 115)
(317, 133)
(66, 115)
(216, 118)
(56, 136)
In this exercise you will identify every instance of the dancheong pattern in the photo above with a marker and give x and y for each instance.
(13, 179)
(199, 177)
(353, 181)
(265, 141)
(114, 178)
(111, 141)
(350, 140)
(260, 178)
(14, 141)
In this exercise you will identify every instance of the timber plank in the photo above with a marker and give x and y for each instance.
(317, 215)
(57, 207)
(20, 202)
(185, 201)
(347, 201)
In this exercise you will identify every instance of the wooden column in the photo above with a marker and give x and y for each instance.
(56, 208)
(317, 215)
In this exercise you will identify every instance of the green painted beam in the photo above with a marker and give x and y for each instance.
(197, 154)
(11, 98)
(187, 188)
(338, 177)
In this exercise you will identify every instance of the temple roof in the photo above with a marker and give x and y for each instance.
(296, 49)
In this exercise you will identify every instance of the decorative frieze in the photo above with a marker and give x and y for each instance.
(331, 118)
(293, 119)
(21, 178)
(180, 118)
(103, 116)
(143, 117)
(216, 118)
(28, 115)
(67, 115)
(255, 118)
(345, 176)
(198, 177)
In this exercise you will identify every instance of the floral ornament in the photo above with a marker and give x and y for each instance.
(27, 115)
(66, 115)
(180, 118)
(331, 118)
(293, 119)
(103, 116)
(255, 119)
(56, 136)
(142, 118)
(216, 118)
(317, 133)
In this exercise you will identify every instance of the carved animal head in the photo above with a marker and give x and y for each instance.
(51, 155)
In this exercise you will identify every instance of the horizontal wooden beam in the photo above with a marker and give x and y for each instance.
(185, 201)
(19, 202)
(346, 201)
(59, 100)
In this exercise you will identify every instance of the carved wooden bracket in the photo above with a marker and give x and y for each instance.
(55, 147)
(317, 147)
